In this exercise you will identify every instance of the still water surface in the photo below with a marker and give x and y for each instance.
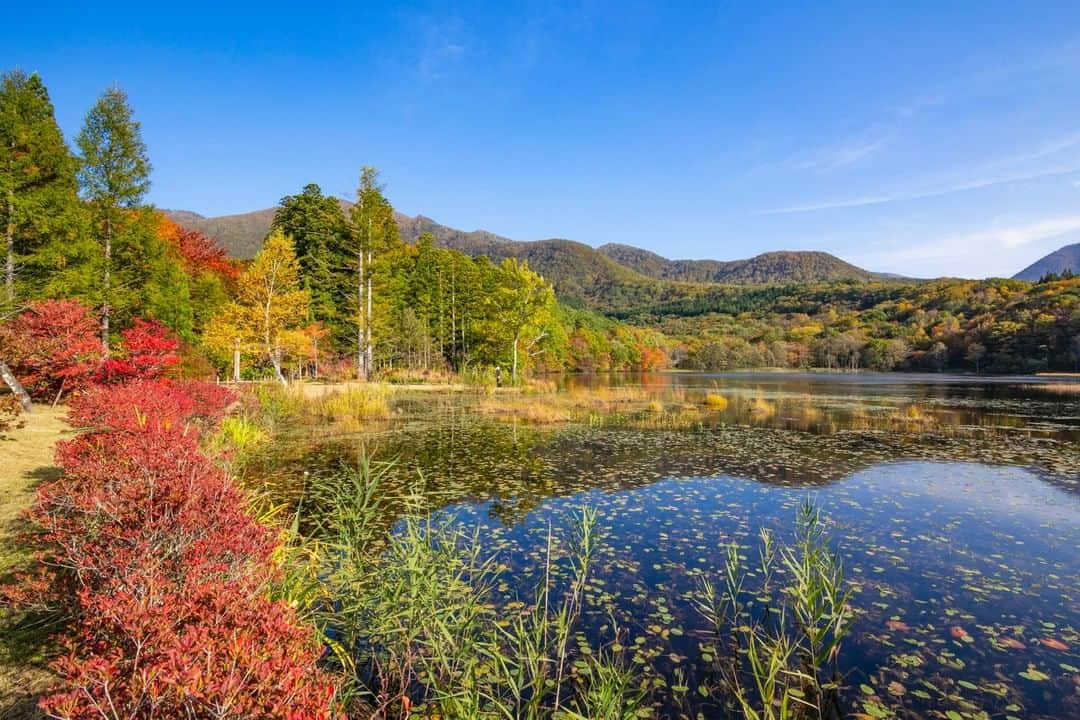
(954, 502)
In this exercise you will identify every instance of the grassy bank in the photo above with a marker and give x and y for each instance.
(28, 460)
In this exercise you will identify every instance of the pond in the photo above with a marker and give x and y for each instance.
(954, 504)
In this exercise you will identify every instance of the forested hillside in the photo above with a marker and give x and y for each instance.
(1005, 326)
(340, 287)
(771, 267)
(606, 278)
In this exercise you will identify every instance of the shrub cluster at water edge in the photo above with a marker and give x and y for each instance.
(146, 546)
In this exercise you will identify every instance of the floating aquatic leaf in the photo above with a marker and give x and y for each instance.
(1054, 644)
(1033, 674)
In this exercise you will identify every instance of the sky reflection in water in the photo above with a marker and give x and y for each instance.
(970, 521)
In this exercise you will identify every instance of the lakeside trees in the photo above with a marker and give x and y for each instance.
(40, 213)
(114, 175)
(391, 305)
(372, 233)
(269, 310)
(77, 227)
(318, 227)
(1001, 326)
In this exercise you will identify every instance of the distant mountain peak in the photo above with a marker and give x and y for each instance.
(1062, 259)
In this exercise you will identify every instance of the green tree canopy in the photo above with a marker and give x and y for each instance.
(317, 224)
(39, 207)
(114, 177)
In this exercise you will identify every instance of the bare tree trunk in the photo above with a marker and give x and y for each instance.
(368, 358)
(105, 309)
(9, 237)
(453, 317)
(275, 360)
(513, 367)
(16, 387)
(236, 362)
(361, 370)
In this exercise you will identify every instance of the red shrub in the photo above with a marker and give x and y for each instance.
(147, 545)
(147, 349)
(53, 348)
(131, 508)
(217, 650)
(159, 404)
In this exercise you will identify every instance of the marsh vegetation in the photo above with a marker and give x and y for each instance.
(805, 547)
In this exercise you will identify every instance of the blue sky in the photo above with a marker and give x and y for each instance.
(924, 138)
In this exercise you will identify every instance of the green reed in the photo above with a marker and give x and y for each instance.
(413, 620)
(779, 646)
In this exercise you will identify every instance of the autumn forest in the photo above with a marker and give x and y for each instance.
(373, 473)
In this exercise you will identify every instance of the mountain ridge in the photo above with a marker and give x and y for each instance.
(612, 275)
(1057, 262)
(791, 265)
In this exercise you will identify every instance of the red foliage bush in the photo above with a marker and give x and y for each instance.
(131, 507)
(147, 545)
(154, 404)
(53, 347)
(215, 651)
(147, 349)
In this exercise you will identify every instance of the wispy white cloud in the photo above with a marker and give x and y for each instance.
(867, 142)
(848, 153)
(1019, 236)
(1007, 237)
(441, 49)
(973, 184)
(1000, 249)
(1002, 171)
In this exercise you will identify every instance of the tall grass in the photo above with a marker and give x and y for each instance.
(349, 408)
(237, 439)
(779, 642)
(412, 615)
(479, 377)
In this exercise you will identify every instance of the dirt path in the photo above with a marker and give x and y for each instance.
(26, 458)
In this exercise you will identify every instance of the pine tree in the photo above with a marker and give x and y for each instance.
(114, 177)
(39, 206)
(317, 225)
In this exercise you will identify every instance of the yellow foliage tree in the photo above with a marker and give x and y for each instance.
(269, 310)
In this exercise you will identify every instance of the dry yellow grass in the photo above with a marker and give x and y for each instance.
(761, 408)
(360, 402)
(1060, 388)
(716, 401)
(577, 404)
(28, 459)
(314, 390)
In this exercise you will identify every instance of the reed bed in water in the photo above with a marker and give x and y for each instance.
(1058, 388)
(778, 624)
(419, 626)
(412, 619)
(557, 407)
(348, 408)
